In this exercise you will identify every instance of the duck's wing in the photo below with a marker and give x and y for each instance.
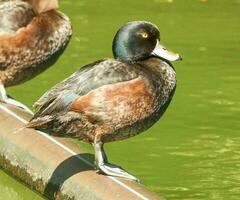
(88, 78)
(117, 104)
(69, 84)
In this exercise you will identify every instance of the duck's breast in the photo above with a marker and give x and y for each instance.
(163, 79)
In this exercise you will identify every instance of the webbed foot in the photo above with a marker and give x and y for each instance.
(4, 98)
(114, 170)
(106, 168)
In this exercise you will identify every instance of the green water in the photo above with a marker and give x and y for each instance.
(13, 190)
(194, 151)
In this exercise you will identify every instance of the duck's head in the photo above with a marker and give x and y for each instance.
(139, 40)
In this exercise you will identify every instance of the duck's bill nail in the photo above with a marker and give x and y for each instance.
(163, 52)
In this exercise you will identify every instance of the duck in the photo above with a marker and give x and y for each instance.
(112, 99)
(33, 35)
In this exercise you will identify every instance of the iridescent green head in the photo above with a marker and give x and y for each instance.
(139, 40)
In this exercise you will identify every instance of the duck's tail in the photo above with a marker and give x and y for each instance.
(39, 122)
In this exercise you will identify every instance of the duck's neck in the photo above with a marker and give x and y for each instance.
(163, 70)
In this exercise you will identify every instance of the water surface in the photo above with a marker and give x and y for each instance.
(10, 189)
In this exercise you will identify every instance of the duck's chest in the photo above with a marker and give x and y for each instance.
(162, 79)
(168, 82)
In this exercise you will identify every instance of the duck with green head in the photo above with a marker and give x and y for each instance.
(112, 99)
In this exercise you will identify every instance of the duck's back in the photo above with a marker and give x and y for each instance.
(14, 15)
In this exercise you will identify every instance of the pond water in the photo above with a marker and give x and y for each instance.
(10, 189)
(193, 152)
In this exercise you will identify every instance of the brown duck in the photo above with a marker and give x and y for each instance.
(33, 34)
(112, 99)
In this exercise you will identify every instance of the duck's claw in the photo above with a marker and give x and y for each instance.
(113, 170)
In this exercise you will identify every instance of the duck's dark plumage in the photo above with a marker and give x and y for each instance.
(109, 95)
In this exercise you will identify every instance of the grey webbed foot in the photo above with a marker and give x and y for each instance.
(112, 170)
(4, 98)
(107, 168)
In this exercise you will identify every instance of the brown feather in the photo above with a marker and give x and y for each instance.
(121, 103)
(22, 53)
(35, 124)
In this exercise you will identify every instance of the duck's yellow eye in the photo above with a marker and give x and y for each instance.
(144, 35)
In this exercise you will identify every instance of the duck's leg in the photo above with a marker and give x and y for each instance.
(4, 98)
(109, 169)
